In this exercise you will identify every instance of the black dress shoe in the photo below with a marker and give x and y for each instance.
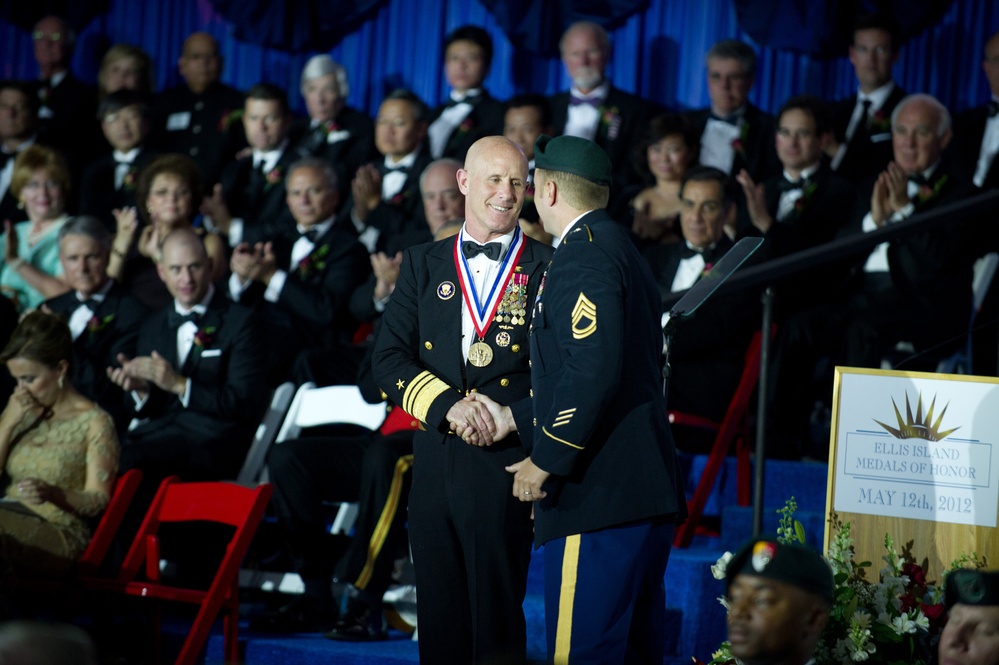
(305, 614)
(359, 624)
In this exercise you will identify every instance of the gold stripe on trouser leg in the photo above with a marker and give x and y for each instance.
(402, 465)
(566, 598)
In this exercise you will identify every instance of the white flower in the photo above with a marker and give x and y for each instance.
(922, 621)
(724, 602)
(861, 619)
(718, 570)
(903, 625)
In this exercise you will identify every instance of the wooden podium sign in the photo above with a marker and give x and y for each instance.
(915, 455)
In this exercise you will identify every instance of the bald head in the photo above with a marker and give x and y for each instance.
(184, 267)
(442, 200)
(200, 63)
(493, 183)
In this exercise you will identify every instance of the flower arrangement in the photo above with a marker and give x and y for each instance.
(890, 621)
(314, 262)
(273, 177)
(96, 324)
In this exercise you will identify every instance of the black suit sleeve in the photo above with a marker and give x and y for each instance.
(239, 395)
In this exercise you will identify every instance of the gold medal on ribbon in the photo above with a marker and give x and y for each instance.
(480, 354)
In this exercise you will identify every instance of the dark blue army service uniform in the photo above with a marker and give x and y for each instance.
(470, 537)
(601, 431)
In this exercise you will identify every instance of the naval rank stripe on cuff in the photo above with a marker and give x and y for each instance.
(421, 393)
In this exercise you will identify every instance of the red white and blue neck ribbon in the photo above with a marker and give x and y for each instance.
(483, 310)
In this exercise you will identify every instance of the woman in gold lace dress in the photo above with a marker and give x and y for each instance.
(58, 450)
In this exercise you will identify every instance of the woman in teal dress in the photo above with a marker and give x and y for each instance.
(29, 251)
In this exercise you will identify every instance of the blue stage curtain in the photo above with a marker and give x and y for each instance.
(658, 52)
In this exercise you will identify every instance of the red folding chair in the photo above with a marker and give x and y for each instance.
(733, 428)
(217, 502)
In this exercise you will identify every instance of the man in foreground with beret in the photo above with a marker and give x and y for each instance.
(779, 596)
(971, 636)
(602, 469)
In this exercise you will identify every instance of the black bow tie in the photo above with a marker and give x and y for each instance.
(710, 254)
(175, 319)
(785, 185)
(90, 303)
(919, 179)
(595, 102)
(730, 119)
(385, 168)
(311, 235)
(471, 249)
(467, 99)
(993, 107)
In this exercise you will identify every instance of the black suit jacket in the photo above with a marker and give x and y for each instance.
(72, 129)
(227, 378)
(486, 119)
(868, 157)
(313, 307)
(417, 358)
(600, 413)
(969, 130)
(211, 131)
(624, 118)
(98, 196)
(115, 330)
(709, 347)
(403, 213)
(347, 145)
(759, 156)
(263, 208)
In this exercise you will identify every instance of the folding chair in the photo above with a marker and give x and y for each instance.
(216, 502)
(733, 428)
(328, 406)
(254, 469)
(92, 558)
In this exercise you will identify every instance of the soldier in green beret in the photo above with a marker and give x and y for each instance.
(971, 636)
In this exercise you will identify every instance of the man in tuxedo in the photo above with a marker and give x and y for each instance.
(471, 112)
(200, 117)
(385, 195)
(343, 136)
(304, 277)
(197, 380)
(916, 288)
(18, 130)
(976, 131)
(735, 134)
(862, 123)
(457, 324)
(109, 182)
(805, 206)
(593, 108)
(602, 473)
(103, 320)
(67, 105)
(249, 203)
(706, 359)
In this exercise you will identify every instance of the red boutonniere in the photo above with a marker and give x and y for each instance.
(802, 201)
(400, 197)
(330, 126)
(707, 268)
(273, 177)
(739, 142)
(95, 324)
(466, 125)
(314, 262)
(879, 123)
(128, 182)
(228, 118)
(205, 337)
(927, 193)
(610, 121)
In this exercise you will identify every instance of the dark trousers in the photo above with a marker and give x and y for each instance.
(605, 598)
(471, 549)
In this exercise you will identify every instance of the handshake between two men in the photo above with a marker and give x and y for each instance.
(479, 421)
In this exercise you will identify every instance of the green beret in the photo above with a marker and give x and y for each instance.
(972, 587)
(792, 564)
(571, 154)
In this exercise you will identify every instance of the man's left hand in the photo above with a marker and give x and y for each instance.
(527, 480)
(156, 370)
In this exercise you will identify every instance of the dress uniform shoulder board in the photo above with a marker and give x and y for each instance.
(579, 229)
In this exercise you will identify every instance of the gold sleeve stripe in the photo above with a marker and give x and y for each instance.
(562, 420)
(569, 411)
(566, 600)
(571, 445)
(421, 393)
